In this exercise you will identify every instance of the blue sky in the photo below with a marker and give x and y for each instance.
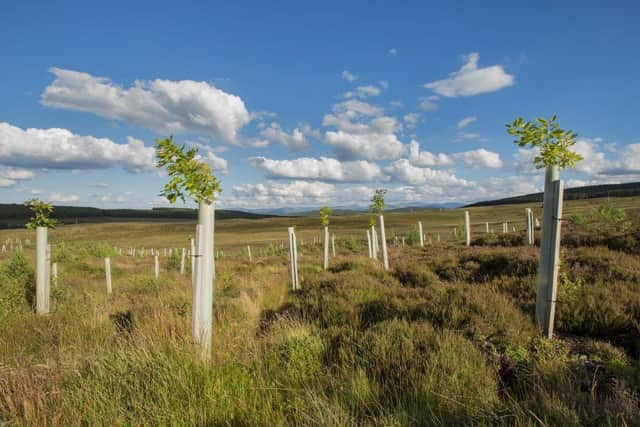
(304, 104)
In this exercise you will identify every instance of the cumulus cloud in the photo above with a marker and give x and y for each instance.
(473, 158)
(63, 198)
(428, 103)
(466, 121)
(349, 76)
(302, 193)
(164, 106)
(363, 92)
(295, 141)
(411, 120)
(60, 149)
(471, 80)
(403, 171)
(323, 168)
(362, 132)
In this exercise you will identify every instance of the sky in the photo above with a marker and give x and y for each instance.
(303, 104)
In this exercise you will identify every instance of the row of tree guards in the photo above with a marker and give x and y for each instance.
(194, 178)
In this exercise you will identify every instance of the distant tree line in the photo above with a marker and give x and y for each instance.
(17, 215)
(589, 192)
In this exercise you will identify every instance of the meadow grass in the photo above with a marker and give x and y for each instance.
(445, 337)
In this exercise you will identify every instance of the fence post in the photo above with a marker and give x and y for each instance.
(529, 221)
(383, 238)
(293, 258)
(333, 245)
(54, 274)
(549, 251)
(467, 228)
(107, 273)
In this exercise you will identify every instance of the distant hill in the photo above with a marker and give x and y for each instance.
(15, 216)
(577, 193)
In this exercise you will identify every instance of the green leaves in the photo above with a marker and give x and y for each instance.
(554, 142)
(325, 211)
(41, 211)
(377, 202)
(187, 175)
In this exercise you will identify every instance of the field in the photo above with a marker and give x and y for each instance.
(445, 337)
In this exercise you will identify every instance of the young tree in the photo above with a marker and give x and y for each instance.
(554, 153)
(188, 176)
(41, 222)
(377, 208)
(325, 212)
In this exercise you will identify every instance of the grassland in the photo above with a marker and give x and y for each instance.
(446, 337)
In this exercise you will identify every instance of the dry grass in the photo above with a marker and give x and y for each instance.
(445, 337)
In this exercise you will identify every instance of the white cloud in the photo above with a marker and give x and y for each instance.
(6, 182)
(63, 198)
(323, 168)
(60, 149)
(392, 51)
(479, 158)
(473, 158)
(466, 121)
(466, 135)
(164, 106)
(411, 120)
(471, 80)
(428, 103)
(403, 171)
(359, 136)
(303, 193)
(363, 92)
(295, 141)
(349, 76)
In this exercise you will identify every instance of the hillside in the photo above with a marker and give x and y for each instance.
(628, 189)
(15, 215)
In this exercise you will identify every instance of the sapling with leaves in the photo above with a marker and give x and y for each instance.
(41, 221)
(189, 176)
(377, 208)
(325, 212)
(554, 146)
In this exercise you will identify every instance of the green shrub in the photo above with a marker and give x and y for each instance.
(17, 284)
(351, 244)
(174, 260)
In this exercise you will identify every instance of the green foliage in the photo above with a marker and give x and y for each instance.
(377, 202)
(41, 212)
(351, 244)
(174, 260)
(414, 236)
(325, 212)
(554, 142)
(17, 284)
(186, 173)
(609, 216)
